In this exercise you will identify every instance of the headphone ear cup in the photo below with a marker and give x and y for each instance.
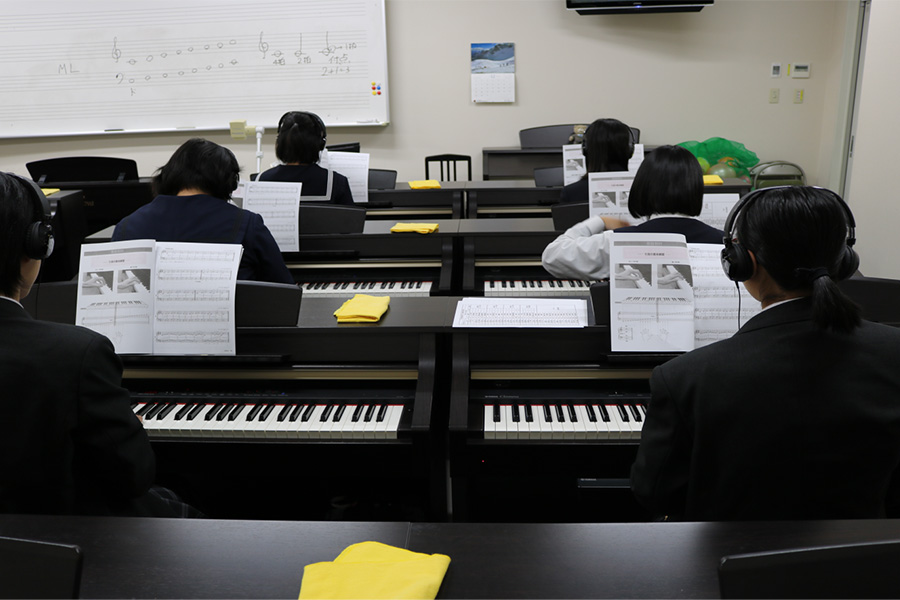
(736, 262)
(848, 264)
(39, 240)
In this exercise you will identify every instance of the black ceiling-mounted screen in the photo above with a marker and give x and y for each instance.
(619, 7)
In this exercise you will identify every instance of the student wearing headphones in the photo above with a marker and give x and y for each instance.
(607, 145)
(194, 188)
(301, 137)
(667, 190)
(69, 441)
(797, 416)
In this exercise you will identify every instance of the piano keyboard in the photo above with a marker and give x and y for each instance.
(270, 420)
(346, 289)
(536, 287)
(564, 421)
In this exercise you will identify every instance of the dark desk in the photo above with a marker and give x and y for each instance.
(170, 558)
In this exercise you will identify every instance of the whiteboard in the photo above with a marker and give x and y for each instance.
(96, 66)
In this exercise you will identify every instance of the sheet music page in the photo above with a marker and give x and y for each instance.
(160, 297)
(573, 163)
(636, 159)
(608, 194)
(521, 312)
(651, 298)
(115, 295)
(352, 165)
(278, 202)
(716, 208)
(195, 285)
(716, 297)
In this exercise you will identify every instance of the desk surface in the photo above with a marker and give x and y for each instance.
(172, 558)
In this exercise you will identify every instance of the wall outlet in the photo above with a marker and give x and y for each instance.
(798, 96)
(774, 95)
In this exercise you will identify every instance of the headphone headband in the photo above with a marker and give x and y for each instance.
(316, 119)
(736, 260)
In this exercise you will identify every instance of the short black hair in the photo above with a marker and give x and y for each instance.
(301, 135)
(200, 164)
(794, 231)
(17, 213)
(608, 146)
(669, 180)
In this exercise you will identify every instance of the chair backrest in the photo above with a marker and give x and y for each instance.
(867, 570)
(568, 213)
(446, 162)
(548, 176)
(32, 569)
(331, 218)
(878, 298)
(777, 172)
(382, 179)
(553, 136)
(82, 168)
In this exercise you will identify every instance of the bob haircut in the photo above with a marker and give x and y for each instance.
(608, 145)
(669, 180)
(17, 212)
(301, 136)
(202, 165)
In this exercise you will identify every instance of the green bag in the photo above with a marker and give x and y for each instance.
(723, 157)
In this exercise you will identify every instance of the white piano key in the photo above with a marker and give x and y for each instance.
(532, 429)
(310, 427)
(344, 428)
(394, 415)
(581, 422)
(381, 425)
(510, 426)
(617, 429)
(490, 428)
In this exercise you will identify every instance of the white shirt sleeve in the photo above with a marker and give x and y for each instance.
(581, 252)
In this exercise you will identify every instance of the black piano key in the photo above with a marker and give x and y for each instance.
(144, 409)
(296, 412)
(356, 285)
(236, 412)
(284, 412)
(223, 414)
(496, 414)
(308, 412)
(369, 413)
(213, 411)
(339, 413)
(418, 284)
(266, 412)
(592, 416)
(326, 412)
(540, 284)
(254, 411)
(382, 412)
(604, 414)
(165, 411)
(504, 283)
(357, 413)
(403, 285)
(515, 413)
(392, 284)
(195, 411)
(572, 416)
(635, 413)
(529, 414)
(548, 414)
(345, 285)
(155, 410)
(643, 409)
(530, 283)
(622, 413)
(492, 285)
(383, 284)
(559, 414)
(181, 414)
(372, 285)
(552, 283)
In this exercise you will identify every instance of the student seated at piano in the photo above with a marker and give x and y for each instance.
(301, 139)
(797, 416)
(667, 190)
(194, 189)
(69, 441)
(607, 145)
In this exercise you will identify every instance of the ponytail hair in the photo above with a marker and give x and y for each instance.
(800, 235)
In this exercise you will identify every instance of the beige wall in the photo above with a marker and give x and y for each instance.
(677, 77)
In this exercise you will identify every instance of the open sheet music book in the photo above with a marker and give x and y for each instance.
(153, 297)
(666, 295)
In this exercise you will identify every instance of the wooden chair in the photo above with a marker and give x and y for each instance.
(448, 161)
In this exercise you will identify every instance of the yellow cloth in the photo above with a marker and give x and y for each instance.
(375, 570)
(362, 308)
(712, 180)
(425, 184)
(414, 227)
(48, 191)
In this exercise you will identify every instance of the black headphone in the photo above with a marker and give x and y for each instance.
(39, 236)
(320, 124)
(631, 140)
(736, 261)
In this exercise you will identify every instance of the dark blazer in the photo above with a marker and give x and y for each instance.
(695, 231)
(780, 421)
(314, 179)
(203, 218)
(69, 441)
(575, 192)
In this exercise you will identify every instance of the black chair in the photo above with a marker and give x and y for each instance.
(382, 179)
(448, 161)
(777, 172)
(345, 147)
(32, 569)
(568, 213)
(331, 218)
(82, 168)
(548, 176)
(878, 298)
(866, 570)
